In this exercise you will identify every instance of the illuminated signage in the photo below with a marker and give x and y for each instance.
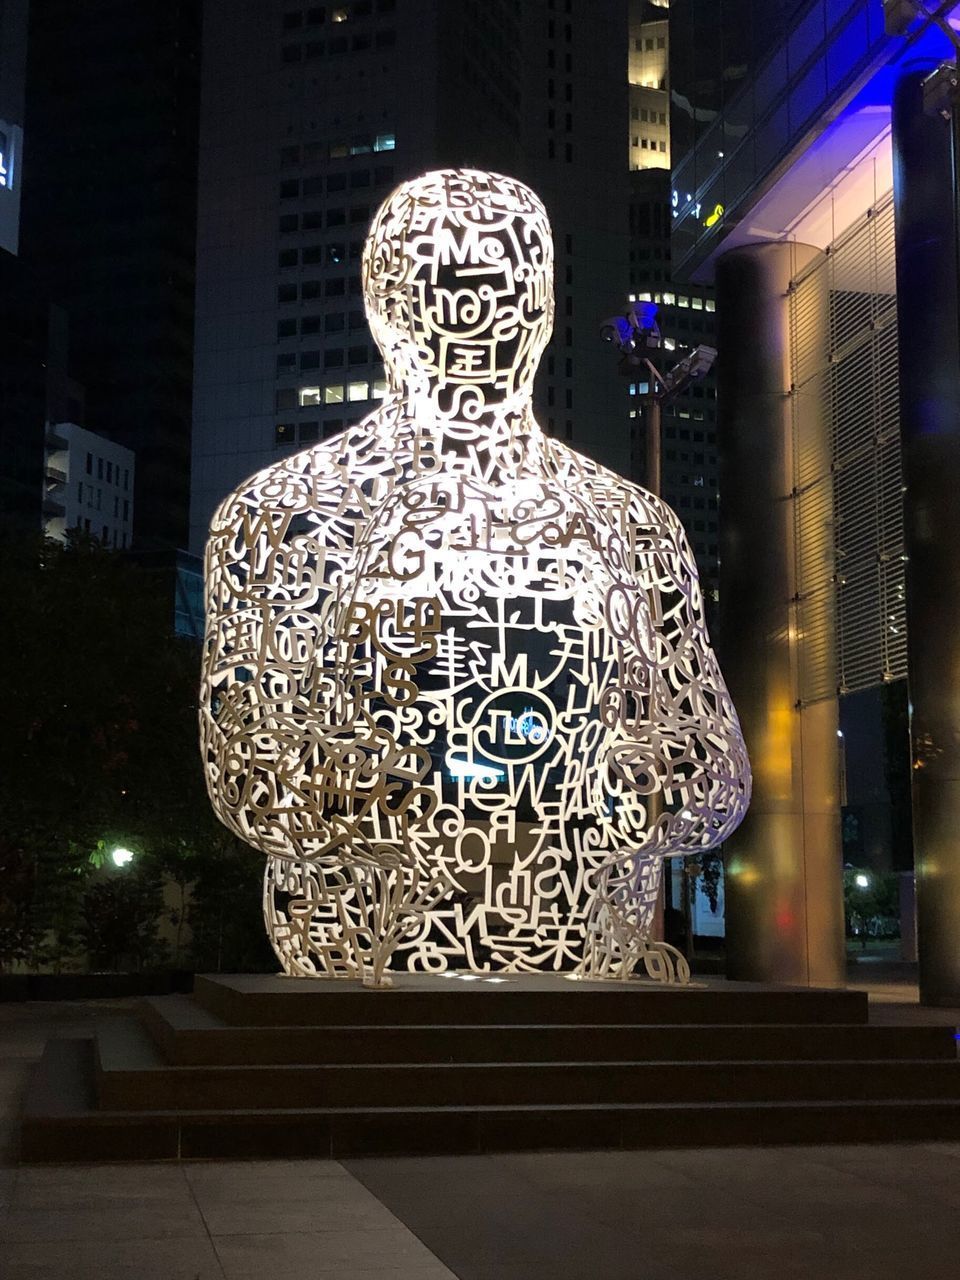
(713, 218)
(688, 208)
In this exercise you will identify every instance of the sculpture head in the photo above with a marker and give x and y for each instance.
(458, 287)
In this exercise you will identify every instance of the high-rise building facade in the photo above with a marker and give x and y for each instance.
(34, 391)
(13, 68)
(686, 316)
(310, 116)
(648, 74)
(27, 324)
(108, 223)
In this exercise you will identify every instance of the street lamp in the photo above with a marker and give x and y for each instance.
(634, 332)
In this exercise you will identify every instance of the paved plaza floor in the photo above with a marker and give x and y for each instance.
(833, 1212)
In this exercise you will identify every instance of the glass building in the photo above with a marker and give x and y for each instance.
(814, 185)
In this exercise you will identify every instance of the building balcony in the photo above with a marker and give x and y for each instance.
(53, 505)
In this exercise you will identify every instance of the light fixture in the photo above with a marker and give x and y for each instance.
(469, 769)
(121, 857)
(862, 881)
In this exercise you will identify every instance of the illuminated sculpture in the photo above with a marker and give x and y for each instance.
(457, 685)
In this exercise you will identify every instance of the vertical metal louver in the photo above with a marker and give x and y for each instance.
(848, 504)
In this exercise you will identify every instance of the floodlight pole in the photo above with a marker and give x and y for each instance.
(654, 434)
(654, 468)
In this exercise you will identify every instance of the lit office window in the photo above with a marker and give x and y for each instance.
(669, 299)
(309, 395)
(357, 391)
(710, 305)
(378, 389)
(385, 142)
(333, 394)
(697, 304)
(683, 302)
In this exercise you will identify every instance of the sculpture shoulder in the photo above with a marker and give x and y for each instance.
(611, 492)
(337, 477)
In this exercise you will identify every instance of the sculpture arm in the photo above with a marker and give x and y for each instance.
(230, 709)
(262, 693)
(684, 746)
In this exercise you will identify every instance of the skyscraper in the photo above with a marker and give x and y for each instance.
(33, 352)
(108, 222)
(686, 315)
(310, 116)
(13, 66)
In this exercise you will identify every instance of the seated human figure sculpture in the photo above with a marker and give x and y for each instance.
(457, 685)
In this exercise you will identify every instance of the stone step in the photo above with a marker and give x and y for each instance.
(132, 1075)
(246, 1000)
(60, 1124)
(187, 1034)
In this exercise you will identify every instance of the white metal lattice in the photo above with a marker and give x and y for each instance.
(457, 685)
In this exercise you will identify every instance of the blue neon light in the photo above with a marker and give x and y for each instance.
(856, 48)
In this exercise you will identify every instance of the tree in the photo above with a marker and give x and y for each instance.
(99, 749)
(871, 903)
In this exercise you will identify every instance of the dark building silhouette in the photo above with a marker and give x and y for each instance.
(686, 316)
(34, 391)
(108, 223)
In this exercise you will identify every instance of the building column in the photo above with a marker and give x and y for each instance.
(783, 885)
(928, 307)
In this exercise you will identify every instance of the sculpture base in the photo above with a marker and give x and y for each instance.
(278, 1067)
